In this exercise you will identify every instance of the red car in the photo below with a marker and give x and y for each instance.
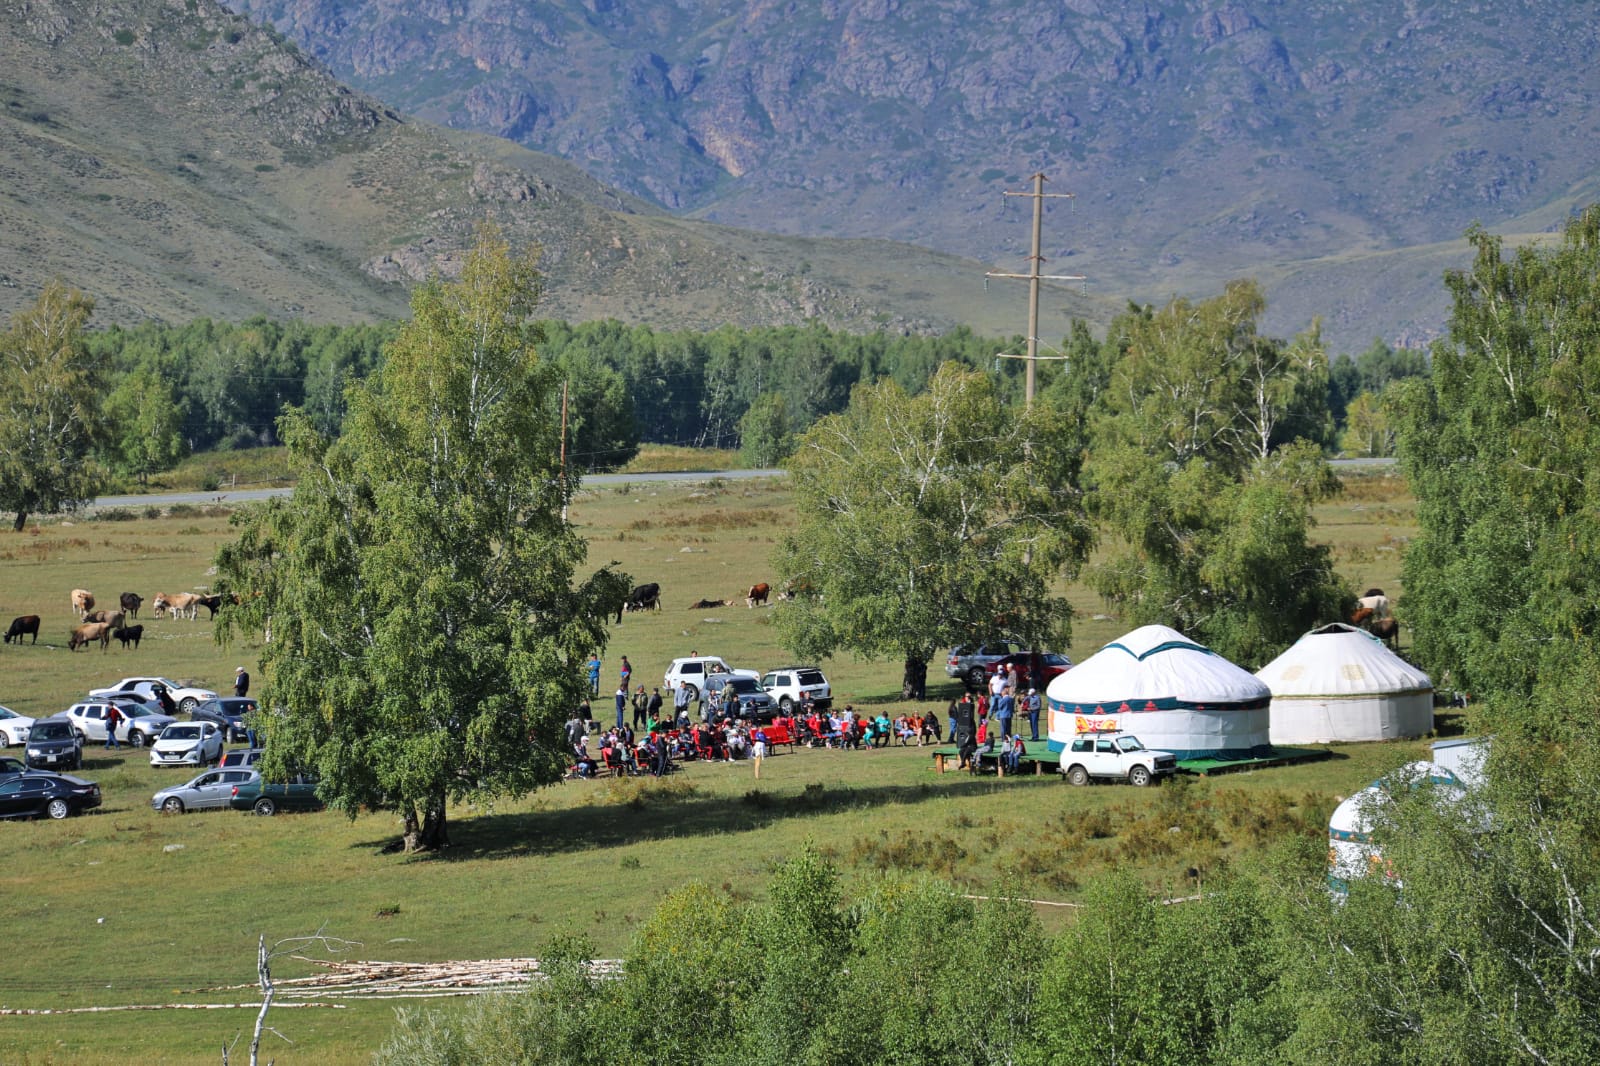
(1034, 669)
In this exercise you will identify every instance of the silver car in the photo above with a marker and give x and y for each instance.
(210, 791)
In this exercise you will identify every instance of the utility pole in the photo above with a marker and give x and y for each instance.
(564, 385)
(1033, 277)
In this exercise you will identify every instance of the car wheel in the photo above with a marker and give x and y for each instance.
(694, 693)
(57, 809)
(188, 705)
(1078, 775)
(136, 738)
(174, 805)
(976, 677)
(265, 806)
(1139, 775)
(787, 704)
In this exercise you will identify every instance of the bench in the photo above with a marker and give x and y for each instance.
(1039, 761)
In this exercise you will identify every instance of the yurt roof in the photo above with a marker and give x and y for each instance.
(1160, 665)
(1341, 660)
(1352, 819)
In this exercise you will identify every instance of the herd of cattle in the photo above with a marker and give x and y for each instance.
(103, 626)
(648, 598)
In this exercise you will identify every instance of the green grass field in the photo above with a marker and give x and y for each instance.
(588, 856)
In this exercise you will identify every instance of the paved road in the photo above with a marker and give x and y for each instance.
(167, 499)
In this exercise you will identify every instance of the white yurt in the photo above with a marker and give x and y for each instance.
(1351, 852)
(1340, 683)
(1173, 694)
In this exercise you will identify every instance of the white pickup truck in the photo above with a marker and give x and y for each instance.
(1115, 755)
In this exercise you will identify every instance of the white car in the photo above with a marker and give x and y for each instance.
(1115, 755)
(186, 697)
(13, 727)
(691, 673)
(790, 685)
(212, 790)
(187, 744)
(140, 725)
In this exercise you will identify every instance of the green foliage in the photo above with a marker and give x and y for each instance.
(51, 388)
(764, 437)
(1367, 431)
(1205, 468)
(1501, 447)
(427, 639)
(929, 520)
(146, 421)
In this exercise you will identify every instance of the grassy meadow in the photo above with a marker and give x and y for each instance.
(594, 857)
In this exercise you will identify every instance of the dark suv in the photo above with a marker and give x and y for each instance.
(54, 745)
(970, 662)
(742, 697)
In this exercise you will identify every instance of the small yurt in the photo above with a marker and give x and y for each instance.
(1351, 852)
(1173, 694)
(1340, 683)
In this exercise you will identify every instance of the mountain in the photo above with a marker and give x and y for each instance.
(1336, 151)
(175, 159)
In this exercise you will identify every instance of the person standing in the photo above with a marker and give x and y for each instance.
(680, 701)
(641, 704)
(758, 749)
(594, 676)
(622, 702)
(113, 719)
(241, 682)
(1034, 705)
(627, 673)
(1005, 708)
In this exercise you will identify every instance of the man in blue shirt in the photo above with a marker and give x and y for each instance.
(1005, 707)
(594, 675)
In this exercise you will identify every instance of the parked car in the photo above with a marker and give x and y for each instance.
(187, 744)
(13, 727)
(212, 790)
(10, 767)
(1115, 755)
(185, 697)
(691, 673)
(1034, 669)
(790, 685)
(53, 744)
(742, 697)
(227, 712)
(36, 795)
(144, 722)
(239, 757)
(138, 726)
(970, 662)
(299, 793)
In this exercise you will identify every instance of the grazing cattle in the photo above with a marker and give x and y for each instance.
(706, 605)
(642, 598)
(181, 604)
(131, 602)
(1377, 602)
(82, 602)
(21, 626)
(757, 594)
(212, 603)
(1387, 630)
(110, 618)
(87, 634)
(129, 635)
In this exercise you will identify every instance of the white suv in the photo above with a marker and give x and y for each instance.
(691, 673)
(790, 685)
(1115, 755)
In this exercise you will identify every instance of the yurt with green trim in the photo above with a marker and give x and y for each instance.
(1175, 694)
(1340, 683)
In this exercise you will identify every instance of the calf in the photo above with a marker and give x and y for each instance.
(129, 635)
(757, 594)
(131, 602)
(87, 634)
(82, 602)
(21, 626)
(706, 605)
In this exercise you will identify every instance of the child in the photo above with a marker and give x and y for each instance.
(758, 749)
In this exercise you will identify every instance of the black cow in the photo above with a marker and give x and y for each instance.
(642, 598)
(131, 602)
(129, 635)
(21, 626)
(212, 603)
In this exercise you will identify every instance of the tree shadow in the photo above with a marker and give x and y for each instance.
(652, 814)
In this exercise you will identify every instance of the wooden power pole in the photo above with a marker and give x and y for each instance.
(1033, 277)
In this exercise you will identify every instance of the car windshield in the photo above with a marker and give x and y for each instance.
(6, 712)
(181, 732)
(50, 731)
(1131, 744)
(742, 685)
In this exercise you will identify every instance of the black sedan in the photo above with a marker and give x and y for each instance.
(228, 713)
(37, 795)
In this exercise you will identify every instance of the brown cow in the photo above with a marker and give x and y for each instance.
(757, 594)
(181, 604)
(88, 634)
(21, 626)
(82, 602)
(131, 602)
(111, 618)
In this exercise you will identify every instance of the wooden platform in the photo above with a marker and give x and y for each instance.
(947, 758)
(1279, 757)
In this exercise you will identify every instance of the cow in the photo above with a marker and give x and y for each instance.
(131, 602)
(1362, 616)
(642, 598)
(129, 635)
(1377, 601)
(757, 594)
(212, 603)
(82, 602)
(797, 588)
(21, 626)
(88, 634)
(110, 618)
(181, 604)
(1387, 630)
(706, 605)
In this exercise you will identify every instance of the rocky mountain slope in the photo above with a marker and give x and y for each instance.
(175, 159)
(1334, 150)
